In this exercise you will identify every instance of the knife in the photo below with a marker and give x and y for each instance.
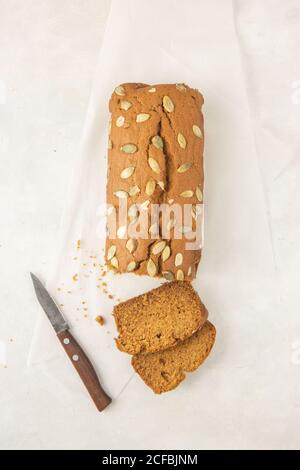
(78, 358)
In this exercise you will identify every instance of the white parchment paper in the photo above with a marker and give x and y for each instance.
(193, 42)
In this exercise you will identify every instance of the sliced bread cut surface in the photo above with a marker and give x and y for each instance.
(163, 371)
(159, 319)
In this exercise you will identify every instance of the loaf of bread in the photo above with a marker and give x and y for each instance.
(164, 370)
(155, 156)
(159, 319)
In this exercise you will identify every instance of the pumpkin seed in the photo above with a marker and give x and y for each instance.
(181, 86)
(131, 266)
(199, 194)
(181, 140)
(145, 204)
(127, 172)
(121, 194)
(125, 105)
(197, 131)
(121, 232)
(133, 191)
(114, 262)
(196, 210)
(110, 145)
(166, 253)
(142, 117)
(161, 184)
(154, 165)
(178, 259)
(111, 252)
(120, 90)
(133, 211)
(110, 210)
(120, 121)
(158, 247)
(129, 148)
(168, 104)
(168, 275)
(180, 275)
(152, 90)
(187, 193)
(151, 268)
(131, 245)
(150, 187)
(153, 229)
(184, 167)
(157, 142)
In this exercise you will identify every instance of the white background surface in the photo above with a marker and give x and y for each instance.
(48, 54)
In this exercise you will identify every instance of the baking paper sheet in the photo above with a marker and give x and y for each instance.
(247, 160)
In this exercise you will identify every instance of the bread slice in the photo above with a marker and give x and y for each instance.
(159, 319)
(164, 370)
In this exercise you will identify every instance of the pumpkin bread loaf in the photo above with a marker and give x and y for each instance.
(155, 156)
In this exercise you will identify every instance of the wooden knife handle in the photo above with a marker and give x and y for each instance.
(85, 370)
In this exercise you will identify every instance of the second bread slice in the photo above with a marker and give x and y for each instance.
(159, 319)
(163, 371)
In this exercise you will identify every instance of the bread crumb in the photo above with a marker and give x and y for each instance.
(110, 296)
(78, 244)
(75, 277)
(99, 319)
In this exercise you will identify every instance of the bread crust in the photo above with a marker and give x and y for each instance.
(181, 147)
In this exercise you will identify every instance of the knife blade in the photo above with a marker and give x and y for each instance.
(49, 306)
(77, 356)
